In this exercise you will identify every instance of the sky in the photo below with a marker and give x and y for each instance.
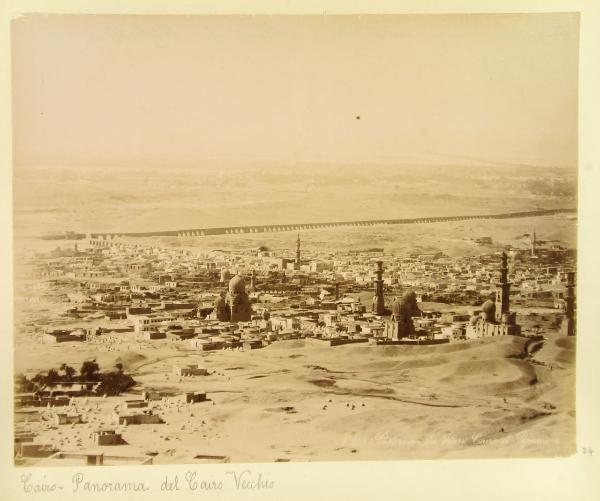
(187, 90)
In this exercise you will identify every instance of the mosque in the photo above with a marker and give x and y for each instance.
(495, 318)
(234, 305)
(400, 325)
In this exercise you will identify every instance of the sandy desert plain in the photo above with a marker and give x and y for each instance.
(300, 401)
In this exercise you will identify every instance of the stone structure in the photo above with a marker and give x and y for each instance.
(108, 437)
(189, 370)
(378, 306)
(144, 417)
(64, 418)
(238, 301)
(568, 323)
(495, 319)
(192, 397)
(297, 263)
(224, 276)
(503, 290)
(401, 325)
(106, 239)
(489, 311)
(221, 310)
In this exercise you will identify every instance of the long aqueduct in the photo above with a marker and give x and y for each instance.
(233, 230)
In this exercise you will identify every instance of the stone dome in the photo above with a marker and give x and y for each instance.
(406, 306)
(237, 285)
(489, 310)
(489, 305)
(225, 275)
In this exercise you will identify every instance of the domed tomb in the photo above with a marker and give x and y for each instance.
(225, 275)
(238, 300)
(221, 309)
(407, 305)
(237, 285)
(401, 324)
(488, 312)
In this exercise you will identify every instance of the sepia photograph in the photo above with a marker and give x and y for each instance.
(294, 238)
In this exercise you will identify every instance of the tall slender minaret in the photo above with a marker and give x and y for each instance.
(379, 305)
(298, 251)
(253, 280)
(533, 242)
(503, 291)
(568, 325)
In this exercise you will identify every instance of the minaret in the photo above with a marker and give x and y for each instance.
(533, 242)
(298, 251)
(568, 324)
(503, 291)
(253, 280)
(379, 299)
(337, 291)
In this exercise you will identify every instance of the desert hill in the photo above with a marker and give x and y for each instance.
(303, 401)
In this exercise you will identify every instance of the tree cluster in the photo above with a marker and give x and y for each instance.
(111, 382)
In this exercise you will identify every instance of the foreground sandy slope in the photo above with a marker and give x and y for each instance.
(301, 401)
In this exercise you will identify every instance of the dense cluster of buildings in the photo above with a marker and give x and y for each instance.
(246, 299)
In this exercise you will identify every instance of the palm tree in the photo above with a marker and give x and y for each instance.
(68, 371)
(52, 376)
(89, 370)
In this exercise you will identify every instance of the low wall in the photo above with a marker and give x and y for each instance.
(419, 342)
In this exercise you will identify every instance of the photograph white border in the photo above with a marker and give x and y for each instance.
(575, 477)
